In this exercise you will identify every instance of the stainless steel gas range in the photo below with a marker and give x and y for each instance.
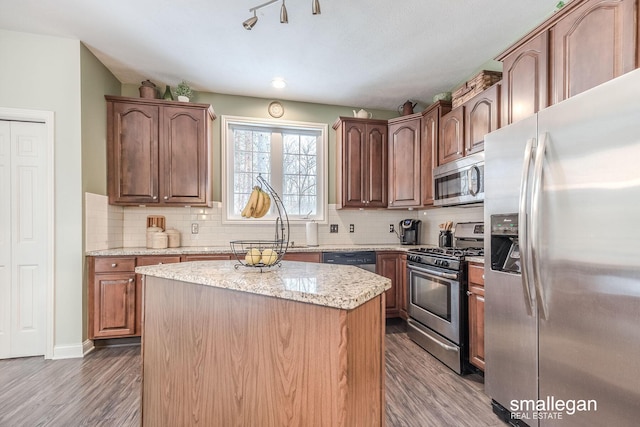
(437, 283)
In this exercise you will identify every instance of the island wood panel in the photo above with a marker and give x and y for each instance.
(235, 358)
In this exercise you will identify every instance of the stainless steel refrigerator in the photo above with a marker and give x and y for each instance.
(562, 263)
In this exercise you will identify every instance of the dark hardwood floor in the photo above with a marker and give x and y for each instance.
(103, 389)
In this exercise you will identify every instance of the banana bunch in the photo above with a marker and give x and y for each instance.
(258, 204)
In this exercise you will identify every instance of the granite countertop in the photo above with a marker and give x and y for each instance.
(189, 250)
(478, 259)
(338, 286)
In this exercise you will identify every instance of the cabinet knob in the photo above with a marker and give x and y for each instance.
(390, 202)
(130, 280)
(114, 265)
(155, 197)
(166, 197)
(469, 293)
(483, 277)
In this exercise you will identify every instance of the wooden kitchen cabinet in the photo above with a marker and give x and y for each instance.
(593, 43)
(142, 261)
(525, 80)
(112, 297)
(361, 166)
(475, 295)
(581, 46)
(481, 116)
(451, 142)
(405, 161)
(207, 257)
(430, 136)
(389, 265)
(303, 256)
(158, 152)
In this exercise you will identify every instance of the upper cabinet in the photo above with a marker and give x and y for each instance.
(405, 161)
(524, 80)
(451, 143)
(481, 116)
(361, 166)
(158, 152)
(429, 146)
(593, 43)
(583, 45)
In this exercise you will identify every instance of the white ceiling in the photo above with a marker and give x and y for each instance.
(372, 54)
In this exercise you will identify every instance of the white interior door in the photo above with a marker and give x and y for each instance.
(23, 238)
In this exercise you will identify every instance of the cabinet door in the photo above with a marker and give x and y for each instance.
(114, 305)
(429, 147)
(476, 315)
(184, 156)
(451, 143)
(594, 43)
(404, 164)
(303, 256)
(481, 117)
(354, 165)
(402, 288)
(388, 265)
(525, 80)
(376, 170)
(133, 152)
(142, 261)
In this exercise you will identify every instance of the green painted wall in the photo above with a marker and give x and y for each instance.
(43, 73)
(257, 107)
(95, 81)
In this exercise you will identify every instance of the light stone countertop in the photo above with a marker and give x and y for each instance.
(338, 286)
(190, 250)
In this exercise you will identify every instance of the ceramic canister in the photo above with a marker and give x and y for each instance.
(150, 232)
(160, 240)
(174, 237)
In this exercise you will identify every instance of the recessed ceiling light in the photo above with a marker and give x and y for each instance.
(278, 83)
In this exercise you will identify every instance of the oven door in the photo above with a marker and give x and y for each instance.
(434, 300)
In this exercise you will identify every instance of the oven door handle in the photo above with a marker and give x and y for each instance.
(443, 345)
(452, 276)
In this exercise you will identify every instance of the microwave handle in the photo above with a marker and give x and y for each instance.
(473, 190)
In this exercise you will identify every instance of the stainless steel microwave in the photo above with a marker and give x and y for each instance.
(459, 182)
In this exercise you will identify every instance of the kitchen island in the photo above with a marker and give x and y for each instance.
(300, 344)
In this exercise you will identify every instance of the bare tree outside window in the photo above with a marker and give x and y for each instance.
(291, 159)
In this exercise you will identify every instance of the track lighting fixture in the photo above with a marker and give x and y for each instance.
(284, 16)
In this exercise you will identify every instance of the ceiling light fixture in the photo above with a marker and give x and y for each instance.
(278, 83)
(249, 23)
(284, 16)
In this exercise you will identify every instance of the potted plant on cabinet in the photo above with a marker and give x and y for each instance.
(184, 92)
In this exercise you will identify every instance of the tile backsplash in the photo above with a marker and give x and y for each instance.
(113, 226)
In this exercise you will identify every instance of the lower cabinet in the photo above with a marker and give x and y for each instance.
(392, 265)
(475, 295)
(303, 256)
(112, 297)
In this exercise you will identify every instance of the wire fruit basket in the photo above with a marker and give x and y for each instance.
(265, 253)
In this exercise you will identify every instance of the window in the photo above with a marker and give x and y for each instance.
(290, 156)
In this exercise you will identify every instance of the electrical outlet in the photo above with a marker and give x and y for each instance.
(195, 228)
(352, 228)
(333, 228)
(392, 228)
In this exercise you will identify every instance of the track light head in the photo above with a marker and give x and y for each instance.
(249, 23)
(284, 17)
(315, 7)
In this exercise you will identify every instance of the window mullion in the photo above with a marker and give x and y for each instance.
(276, 162)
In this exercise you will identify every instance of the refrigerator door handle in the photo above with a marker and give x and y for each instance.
(534, 227)
(523, 235)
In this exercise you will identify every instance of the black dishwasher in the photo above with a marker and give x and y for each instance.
(362, 259)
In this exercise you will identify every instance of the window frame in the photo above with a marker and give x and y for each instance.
(227, 167)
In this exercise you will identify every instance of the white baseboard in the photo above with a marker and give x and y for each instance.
(67, 351)
(87, 347)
